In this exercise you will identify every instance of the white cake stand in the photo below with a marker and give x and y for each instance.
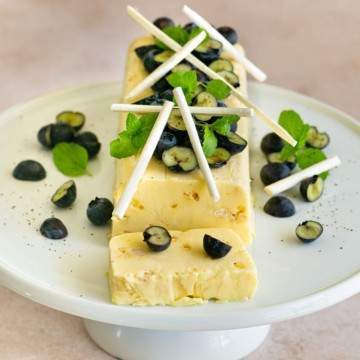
(294, 279)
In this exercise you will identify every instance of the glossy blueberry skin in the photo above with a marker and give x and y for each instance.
(271, 143)
(90, 142)
(229, 34)
(215, 248)
(163, 22)
(279, 206)
(29, 170)
(273, 172)
(99, 211)
(54, 229)
(167, 141)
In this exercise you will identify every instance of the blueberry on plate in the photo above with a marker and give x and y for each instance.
(271, 143)
(312, 188)
(53, 228)
(219, 158)
(157, 238)
(215, 248)
(276, 158)
(99, 211)
(163, 22)
(229, 34)
(89, 141)
(273, 172)
(166, 141)
(180, 159)
(29, 170)
(74, 119)
(65, 195)
(52, 134)
(232, 142)
(309, 231)
(279, 206)
(316, 139)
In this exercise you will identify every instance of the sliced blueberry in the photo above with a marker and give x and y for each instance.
(279, 206)
(232, 142)
(180, 159)
(54, 229)
(219, 158)
(149, 61)
(312, 188)
(52, 134)
(271, 143)
(73, 118)
(29, 170)
(229, 34)
(65, 195)
(157, 238)
(99, 211)
(89, 141)
(273, 172)
(276, 158)
(215, 248)
(207, 100)
(221, 65)
(163, 22)
(143, 50)
(309, 231)
(316, 139)
(167, 141)
(230, 77)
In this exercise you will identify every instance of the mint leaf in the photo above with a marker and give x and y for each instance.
(177, 33)
(218, 89)
(147, 122)
(71, 159)
(308, 157)
(223, 125)
(187, 80)
(209, 142)
(292, 123)
(122, 146)
(133, 123)
(196, 31)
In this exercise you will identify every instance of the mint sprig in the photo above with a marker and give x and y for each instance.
(131, 140)
(177, 33)
(292, 122)
(218, 89)
(223, 125)
(71, 159)
(187, 80)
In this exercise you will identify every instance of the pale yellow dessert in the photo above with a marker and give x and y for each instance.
(181, 275)
(182, 201)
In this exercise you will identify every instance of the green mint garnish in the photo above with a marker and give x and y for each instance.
(218, 89)
(223, 125)
(187, 80)
(131, 140)
(209, 142)
(177, 33)
(70, 158)
(295, 126)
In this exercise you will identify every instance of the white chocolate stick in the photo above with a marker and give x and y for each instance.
(195, 142)
(143, 161)
(290, 181)
(257, 73)
(193, 109)
(168, 41)
(165, 67)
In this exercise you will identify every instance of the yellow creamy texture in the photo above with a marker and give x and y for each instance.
(181, 275)
(182, 201)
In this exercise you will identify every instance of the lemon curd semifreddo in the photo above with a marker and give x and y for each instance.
(182, 201)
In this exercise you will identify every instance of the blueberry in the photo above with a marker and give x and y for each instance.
(29, 170)
(279, 206)
(271, 143)
(167, 141)
(89, 141)
(163, 22)
(52, 134)
(309, 231)
(99, 211)
(190, 27)
(215, 248)
(65, 195)
(273, 172)
(157, 238)
(228, 33)
(312, 188)
(53, 228)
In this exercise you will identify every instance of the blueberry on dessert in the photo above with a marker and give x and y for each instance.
(29, 170)
(180, 159)
(312, 188)
(53, 228)
(157, 238)
(273, 172)
(229, 34)
(207, 100)
(271, 143)
(221, 65)
(309, 231)
(72, 118)
(232, 142)
(215, 248)
(65, 195)
(167, 141)
(163, 22)
(143, 50)
(99, 211)
(230, 77)
(208, 51)
(149, 61)
(219, 158)
(279, 206)
(316, 139)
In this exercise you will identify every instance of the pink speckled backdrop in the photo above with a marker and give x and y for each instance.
(311, 47)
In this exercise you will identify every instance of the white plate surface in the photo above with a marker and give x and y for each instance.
(294, 278)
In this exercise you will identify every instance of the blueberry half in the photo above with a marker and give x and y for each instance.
(273, 172)
(279, 206)
(157, 238)
(215, 248)
(53, 228)
(29, 170)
